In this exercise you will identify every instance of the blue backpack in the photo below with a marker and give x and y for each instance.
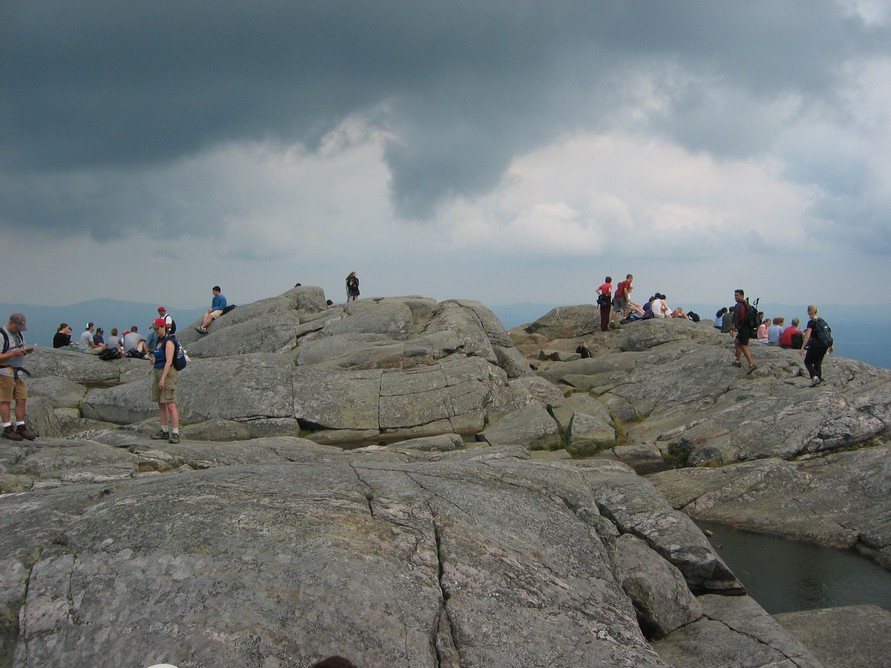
(180, 360)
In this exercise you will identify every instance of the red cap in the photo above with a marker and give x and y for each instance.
(160, 322)
(161, 309)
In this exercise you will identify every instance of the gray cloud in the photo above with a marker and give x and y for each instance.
(109, 88)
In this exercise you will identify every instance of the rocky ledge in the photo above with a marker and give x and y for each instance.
(489, 508)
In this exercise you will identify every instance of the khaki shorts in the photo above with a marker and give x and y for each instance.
(215, 314)
(168, 394)
(10, 388)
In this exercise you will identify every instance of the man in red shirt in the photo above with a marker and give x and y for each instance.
(791, 336)
(622, 299)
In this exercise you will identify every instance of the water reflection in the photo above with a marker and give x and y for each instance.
(785, 576)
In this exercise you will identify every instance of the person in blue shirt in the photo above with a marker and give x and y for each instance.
(217, 305)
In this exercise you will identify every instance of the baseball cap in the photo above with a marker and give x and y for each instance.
(159, 322)
(161, 309)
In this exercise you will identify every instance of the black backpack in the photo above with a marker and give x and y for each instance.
(752, 319)
(110, 354)
(823, 333)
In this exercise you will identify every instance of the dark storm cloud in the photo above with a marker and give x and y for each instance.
(461, 86)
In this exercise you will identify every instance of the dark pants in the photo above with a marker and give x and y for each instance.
(813, 359)
(604, 317)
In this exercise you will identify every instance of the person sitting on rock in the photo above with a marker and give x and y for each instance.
(87, 344)
(217, 306)
(792, 337)
(775, 331)
(134, 344)
(679, 313)
(761, 333)
(62, 337)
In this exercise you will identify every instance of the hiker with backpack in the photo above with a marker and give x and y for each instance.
(745, 323)
(12, 384)
(171, 325)
(817, 342)
(352, 287)
(164, 382)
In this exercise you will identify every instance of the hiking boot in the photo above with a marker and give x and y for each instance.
(160, 435)
(816, 381)
(10, 433)
(24, 432)
(201, 330)
(174, 438)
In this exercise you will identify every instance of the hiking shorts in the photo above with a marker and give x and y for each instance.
(168, 394)
(744, 334)
(215, 314)
(620, 304)
(10, 387)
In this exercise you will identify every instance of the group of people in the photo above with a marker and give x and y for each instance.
(160, 349)
(618, 308)
(93, 340)
(814, 343)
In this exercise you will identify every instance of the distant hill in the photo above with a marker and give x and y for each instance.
(43, 321)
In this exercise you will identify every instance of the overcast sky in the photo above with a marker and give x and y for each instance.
(505, 151)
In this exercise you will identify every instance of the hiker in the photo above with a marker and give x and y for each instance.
(761, 334)
(62, 337)
(792, 336)
(817, 341)
(134, 343)
(622, 300)
(719, 317)
(217, 306)
(603, 300)
(352, 287)
(87, 344)
(12, 384)
(744, 332)
(171, 326)
(164, 383)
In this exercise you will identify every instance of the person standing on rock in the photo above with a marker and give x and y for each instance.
(743, 332)
(622, 300)
(817, 342)
(12, 385)
(604, 297)
(352, 287)
(164, 383)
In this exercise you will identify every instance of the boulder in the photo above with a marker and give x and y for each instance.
(657, 589)
(384, 560)
(532, 427)
(839, 499)
(848, 637)
(734, 631)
